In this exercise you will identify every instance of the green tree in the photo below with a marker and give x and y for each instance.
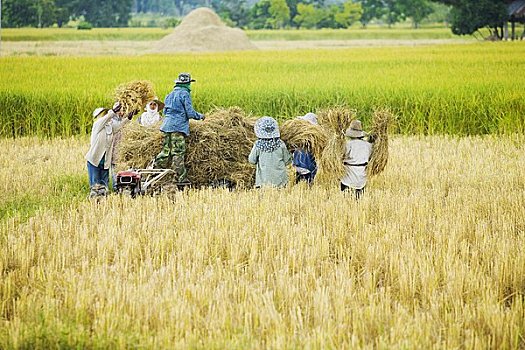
(279, 12)
(371, 9)
(393, 12)
(417, 10)
(35, 13)
(467, 17)
(260, 15)
(308, 16)
(350, 14)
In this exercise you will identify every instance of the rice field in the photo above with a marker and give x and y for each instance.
(432, 257)
(447, 89)
(140, 34)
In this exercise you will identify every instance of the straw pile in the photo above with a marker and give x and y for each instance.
(203, 30)
(217, 149)
(334, 121)
(379, 134)
(297, 133)
(134, 95)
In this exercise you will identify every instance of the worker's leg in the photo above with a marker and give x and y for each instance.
(163, 159)
(92, 174)
(178, 152)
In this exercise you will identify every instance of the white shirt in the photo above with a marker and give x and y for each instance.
(357, 152)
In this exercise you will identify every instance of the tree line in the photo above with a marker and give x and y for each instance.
(465, 16)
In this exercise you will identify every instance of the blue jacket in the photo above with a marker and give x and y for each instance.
(305, 160)
(178, 110)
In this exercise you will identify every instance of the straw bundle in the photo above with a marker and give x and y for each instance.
(335, 121)
(217, 149)
(379, 134)
(134, 95)
(297, 133)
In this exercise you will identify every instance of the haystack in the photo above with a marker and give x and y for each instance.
(218, 148)
(334, 121)
(203, 30)
(379, 133)
(134, 95)
(297, 133)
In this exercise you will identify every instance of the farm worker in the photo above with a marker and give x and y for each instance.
(356, 159)
(152, 115)
(99, 156)
(176, 127)
(269, 154)
(303, 161)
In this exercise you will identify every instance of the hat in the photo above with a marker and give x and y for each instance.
(97, 112)
(309, 117)
(158, 102)
(355, 129)
(184, 78)
(266, 128)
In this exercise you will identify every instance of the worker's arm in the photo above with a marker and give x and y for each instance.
(287, 156)
(188, 107)
(101, 122)
(254, 155)
(118, 124)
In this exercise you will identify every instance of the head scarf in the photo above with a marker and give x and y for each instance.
(268, 145)
(150, 117)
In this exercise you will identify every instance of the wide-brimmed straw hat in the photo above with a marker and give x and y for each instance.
(184, 78)
(99, 111)
(266, 128)
(355, 129)
(158, 102)
(309, 117)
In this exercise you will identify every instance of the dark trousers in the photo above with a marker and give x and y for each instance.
(97, 175)
(358, 192)
(309, 178)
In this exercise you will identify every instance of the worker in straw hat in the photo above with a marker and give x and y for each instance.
(304, 161)
(178, 111)
(99, 157)
(152, 114)
(269, 154)
(356, 159)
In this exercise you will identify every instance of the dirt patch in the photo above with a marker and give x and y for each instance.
(202, 30)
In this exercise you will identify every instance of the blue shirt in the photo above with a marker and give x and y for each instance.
(305, 160)
(178, 110)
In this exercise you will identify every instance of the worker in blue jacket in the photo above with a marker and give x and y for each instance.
(178, 111)
(303, 161)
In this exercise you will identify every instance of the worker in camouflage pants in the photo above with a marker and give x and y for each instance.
(178, 111)
(172, 155)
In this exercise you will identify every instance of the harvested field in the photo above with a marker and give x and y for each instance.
(431, 257)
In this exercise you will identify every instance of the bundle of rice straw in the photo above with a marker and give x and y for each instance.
(217, 149)
(134, 95)
(379, 133)
(298, 133)
(335, 121)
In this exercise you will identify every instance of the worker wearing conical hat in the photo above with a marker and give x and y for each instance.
(356, 159)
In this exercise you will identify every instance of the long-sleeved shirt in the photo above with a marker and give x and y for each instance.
(178, 111)
(271, 166)
(102, 135)
(356, 157)
(304, 162)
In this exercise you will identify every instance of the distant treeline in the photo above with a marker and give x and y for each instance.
(464, 16)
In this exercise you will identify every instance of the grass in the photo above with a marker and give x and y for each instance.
(456, 89)
(431, 257)
(134, 34)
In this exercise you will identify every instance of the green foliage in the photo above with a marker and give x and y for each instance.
(308, 16)
(434, 90)
(279, 12)
(469, 17)
(417, 10)
(350, 14)
(84, 26)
